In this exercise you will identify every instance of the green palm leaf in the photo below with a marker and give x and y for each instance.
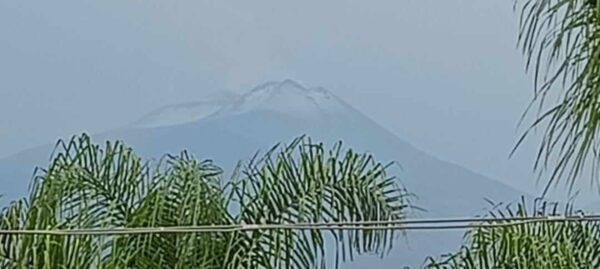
(561, 39)
(304, 183)
(88, 186)
(543, 245)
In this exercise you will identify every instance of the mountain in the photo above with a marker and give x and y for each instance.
(280, 111)
(184, 113)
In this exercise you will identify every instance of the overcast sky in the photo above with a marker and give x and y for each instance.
(444, 75)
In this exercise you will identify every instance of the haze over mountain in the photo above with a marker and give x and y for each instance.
(186, 112)
(229, 130)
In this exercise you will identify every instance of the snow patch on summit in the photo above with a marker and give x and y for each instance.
(177, 114)
(289, 97)
(184, 113)
(284, 97)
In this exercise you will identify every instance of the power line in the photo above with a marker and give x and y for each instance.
(432, 224)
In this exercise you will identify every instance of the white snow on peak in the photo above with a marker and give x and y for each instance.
(184, 113)
(289, 97)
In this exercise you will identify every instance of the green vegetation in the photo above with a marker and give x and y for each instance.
(540, 245)
(561, 39)
(88, 186)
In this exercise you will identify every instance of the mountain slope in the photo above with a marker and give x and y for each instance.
(281, 111)
(184, 113)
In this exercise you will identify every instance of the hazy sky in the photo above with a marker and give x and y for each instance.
(444, 75)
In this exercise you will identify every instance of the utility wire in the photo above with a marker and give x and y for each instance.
(432, 224)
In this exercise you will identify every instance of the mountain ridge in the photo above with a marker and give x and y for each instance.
(287, 96)
(443, 188)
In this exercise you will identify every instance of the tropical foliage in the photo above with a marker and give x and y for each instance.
(540, 245)
(89, 186)
(561, 39)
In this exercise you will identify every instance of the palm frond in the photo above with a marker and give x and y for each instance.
(88, 186)
(561, 41)
(543, 245)
(303, 183)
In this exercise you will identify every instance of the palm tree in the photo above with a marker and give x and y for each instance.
(561, 40)
(540, 245)
(89, 186)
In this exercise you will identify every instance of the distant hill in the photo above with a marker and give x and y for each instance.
(278, 112)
